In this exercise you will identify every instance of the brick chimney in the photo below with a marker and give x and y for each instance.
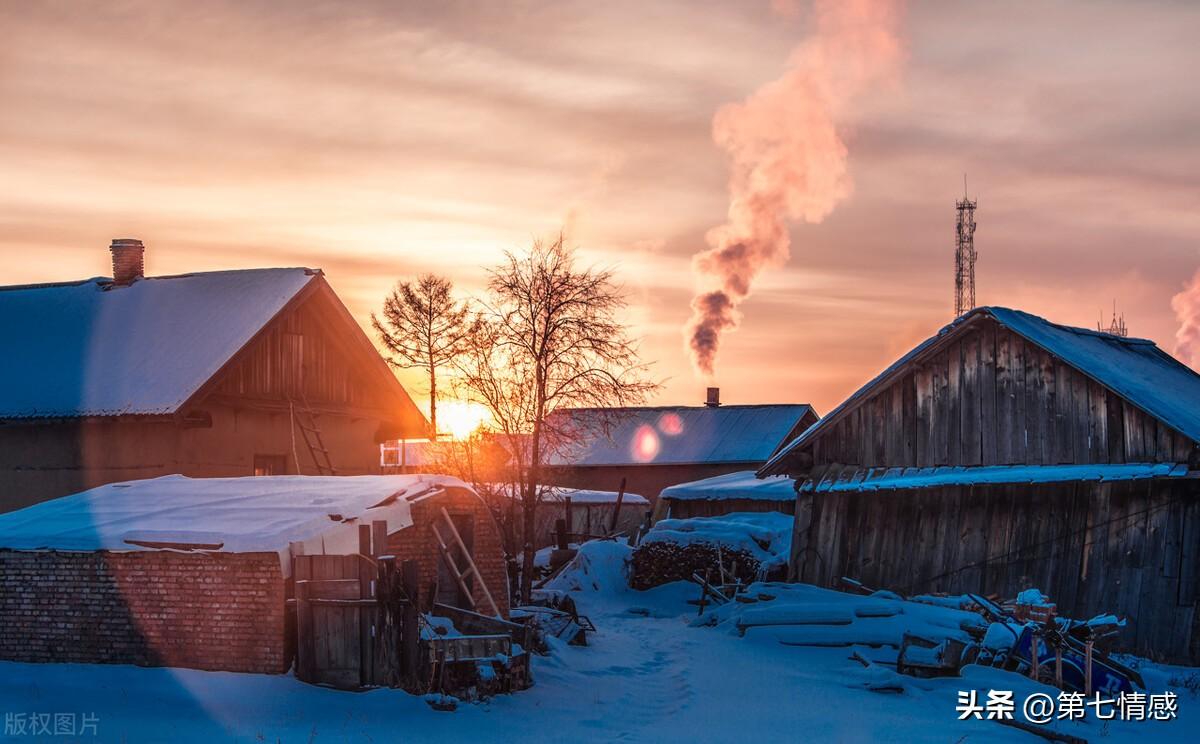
(127, 260)
(714, 397)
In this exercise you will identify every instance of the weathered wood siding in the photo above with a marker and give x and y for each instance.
(991, 398)
(303, 355)
(688, 508)
(1131, 548)
(303, 350)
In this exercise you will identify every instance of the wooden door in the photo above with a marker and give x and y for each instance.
(328, 631)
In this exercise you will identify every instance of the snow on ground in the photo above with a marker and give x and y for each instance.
(655, 672)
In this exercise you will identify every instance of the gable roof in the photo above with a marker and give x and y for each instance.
(1134, 368)
(91, 349)
(680, 435)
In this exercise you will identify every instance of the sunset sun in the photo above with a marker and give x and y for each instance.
(459, 419)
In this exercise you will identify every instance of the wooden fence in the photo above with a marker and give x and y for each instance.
(356, 616)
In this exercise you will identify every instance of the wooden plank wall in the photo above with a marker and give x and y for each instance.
(301, 353)
(991, 398)
(1130, 548)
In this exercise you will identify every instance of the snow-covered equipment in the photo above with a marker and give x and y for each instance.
(570, 627)
(925, 657)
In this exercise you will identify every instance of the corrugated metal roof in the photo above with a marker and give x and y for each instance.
(679, 435)
(1134, 368)
(842, 480)
(90, 349)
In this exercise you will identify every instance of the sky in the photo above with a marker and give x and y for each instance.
(378, 140)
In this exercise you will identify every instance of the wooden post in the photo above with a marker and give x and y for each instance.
(410, 631)
(1087, 672)
(560, 530)
(378, 537)
(304, 633)
(1033, 656)
(612, 528)
(570, 525)
(1058, 667)
(365, 626)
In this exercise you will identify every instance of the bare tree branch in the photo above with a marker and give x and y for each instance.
(547, 339)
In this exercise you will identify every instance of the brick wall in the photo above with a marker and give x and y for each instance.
(219, 611)
(419, 543)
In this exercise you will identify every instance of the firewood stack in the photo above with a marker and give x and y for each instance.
(661, 562)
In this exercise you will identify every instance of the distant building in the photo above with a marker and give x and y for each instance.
(407, 456)
(651, 448)
(223, 373)
(586, 514)
(1008, 452)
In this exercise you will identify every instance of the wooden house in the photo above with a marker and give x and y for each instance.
(1009, 452)
(651, 448)
(224, 373)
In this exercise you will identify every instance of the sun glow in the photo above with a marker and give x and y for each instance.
(458, 419)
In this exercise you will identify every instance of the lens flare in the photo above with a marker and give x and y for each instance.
(670, 424)
(645, 444)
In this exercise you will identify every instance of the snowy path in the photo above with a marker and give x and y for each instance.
(647, 677)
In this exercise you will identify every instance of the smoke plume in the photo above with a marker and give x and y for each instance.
(788, 159)
(1186, 305)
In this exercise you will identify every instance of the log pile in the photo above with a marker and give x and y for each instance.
(661, 562)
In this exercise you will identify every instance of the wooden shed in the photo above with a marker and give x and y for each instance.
(223, 373)
(1009, 452)
(742, 491)
(202, 573)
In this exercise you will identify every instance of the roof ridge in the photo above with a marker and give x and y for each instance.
(52, 285)
(1138, 340)
(100, 280)
(683, 405)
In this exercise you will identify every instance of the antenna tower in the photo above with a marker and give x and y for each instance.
(964, 254)
(1117, 327)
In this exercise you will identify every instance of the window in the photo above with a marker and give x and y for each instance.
(270, 464)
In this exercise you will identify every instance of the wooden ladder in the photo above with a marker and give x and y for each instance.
(461, 576)
(306, 421)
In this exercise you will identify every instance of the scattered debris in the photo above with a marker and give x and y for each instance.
(566, 626)
(471, 667)
(925, 657)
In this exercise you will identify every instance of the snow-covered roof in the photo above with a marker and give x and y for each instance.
(581, 495)
(740, 485)
(91, 349)
(876, 479)
(234, 515)
(1134, 368)
(678, 435)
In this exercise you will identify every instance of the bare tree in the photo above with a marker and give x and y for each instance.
(548, 338)
(423, 327)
